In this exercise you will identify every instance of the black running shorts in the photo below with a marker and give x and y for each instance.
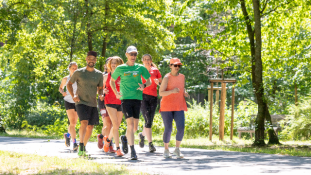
(131, 108)
(88, 113)
(70, 106)
(148, 108)
(115, 106)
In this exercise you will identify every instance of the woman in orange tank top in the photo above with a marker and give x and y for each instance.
(173, 105)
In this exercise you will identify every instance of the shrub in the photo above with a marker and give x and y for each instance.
(297, 125)
(44, 114)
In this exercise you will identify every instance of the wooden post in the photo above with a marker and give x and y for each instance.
(211, 114)
(222, 111)
(217, 98)
(232, 113)
(209, 95)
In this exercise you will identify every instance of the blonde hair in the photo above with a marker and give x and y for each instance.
(118, 59)
(152, 64)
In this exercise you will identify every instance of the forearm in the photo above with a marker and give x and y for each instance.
(113, 86)
(70, 89)
(100, 91)
(166, 93)
(61, 90)
(148, 82)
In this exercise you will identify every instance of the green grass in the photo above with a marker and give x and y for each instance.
(16, 163)
(292, 148)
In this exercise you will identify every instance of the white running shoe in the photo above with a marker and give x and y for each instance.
(178, 153)
(166, 153)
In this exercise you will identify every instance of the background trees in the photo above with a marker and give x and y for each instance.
(264, 44)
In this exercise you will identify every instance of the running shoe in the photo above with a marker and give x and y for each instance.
(125, 147)
(166, 153)
(133, 155)
(111, 150)
(152, 148)
(142, 140)
(100, 143)
(67, 140)
(107, 144)
(119, 153)
(178, 153)
(75, 147)
(82, 151)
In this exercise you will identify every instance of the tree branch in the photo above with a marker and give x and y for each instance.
(264, 6)
(274, 9)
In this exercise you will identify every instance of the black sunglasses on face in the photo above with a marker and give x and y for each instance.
(133, 54)
(175, 65)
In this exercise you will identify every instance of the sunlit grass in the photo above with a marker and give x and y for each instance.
(16, 163)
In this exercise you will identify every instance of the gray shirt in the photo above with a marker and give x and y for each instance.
(87, 83)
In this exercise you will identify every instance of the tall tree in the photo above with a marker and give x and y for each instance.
(234, 29)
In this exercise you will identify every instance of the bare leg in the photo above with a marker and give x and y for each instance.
(88, 134)
(135, 124)
(130, 130)
(114, 131)
(166, 145)
(178, 144)
(82, 130)
(107, 126)
(73, 118)
(148, 133)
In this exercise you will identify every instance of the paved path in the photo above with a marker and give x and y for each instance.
(196, 161)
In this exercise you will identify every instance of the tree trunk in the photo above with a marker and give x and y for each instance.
(89, 33)
(104, 48)
(258, 83)
(296, 96)
(273, 138)
(73, 39)
(263, 111)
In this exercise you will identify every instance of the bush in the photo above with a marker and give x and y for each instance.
(44, 114)
(297, 125)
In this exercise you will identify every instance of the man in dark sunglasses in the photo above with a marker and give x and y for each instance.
(131, 94)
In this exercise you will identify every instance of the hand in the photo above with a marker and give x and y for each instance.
(106, 91)
(102, 97)
(118, 95)
(141, 87)
(157, 82)
(76, 98)
(176, 90)
(186, 95)
(64, 94)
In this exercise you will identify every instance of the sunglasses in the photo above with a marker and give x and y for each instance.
(133, 54)
(175, 65)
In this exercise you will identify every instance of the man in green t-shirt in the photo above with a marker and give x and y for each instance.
(89, 83)
(131, 94)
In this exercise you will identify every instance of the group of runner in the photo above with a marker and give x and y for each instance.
(123, 89)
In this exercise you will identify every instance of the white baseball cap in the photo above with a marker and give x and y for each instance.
(131, 49)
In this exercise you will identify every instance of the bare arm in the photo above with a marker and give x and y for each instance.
(62, 85)
(114, 89)
(70, 89)
(163, 91)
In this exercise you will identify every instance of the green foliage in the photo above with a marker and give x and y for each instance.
(297, 125)
(44, 114)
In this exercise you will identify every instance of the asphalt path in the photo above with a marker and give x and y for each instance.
(196, 161)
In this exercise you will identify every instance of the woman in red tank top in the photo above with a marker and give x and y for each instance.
(113, 105)
(173, 105)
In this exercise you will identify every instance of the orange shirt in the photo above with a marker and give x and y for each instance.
(175, 101)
